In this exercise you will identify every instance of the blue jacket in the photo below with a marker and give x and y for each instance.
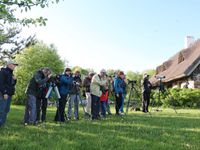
(65, 84)
(7, 83)
(118, 85)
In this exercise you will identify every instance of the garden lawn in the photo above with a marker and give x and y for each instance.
(164, 130)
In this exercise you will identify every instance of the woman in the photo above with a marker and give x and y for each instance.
(66, 80)
(118, 87)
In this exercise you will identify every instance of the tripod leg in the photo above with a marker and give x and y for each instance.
(49, 92)
(129, 99)
(157, 109)
(82, 103)
(57, 117)
(61, 108)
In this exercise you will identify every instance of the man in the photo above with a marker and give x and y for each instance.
(146, 91)
(86, 85)
(95, 88)
(75, 96)
(37, 81)
(7, 89)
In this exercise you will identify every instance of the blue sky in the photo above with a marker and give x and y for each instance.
(119, 34)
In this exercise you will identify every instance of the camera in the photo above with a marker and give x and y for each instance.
(76, 83)
(160, 77)
(132, 81)
(54, 79)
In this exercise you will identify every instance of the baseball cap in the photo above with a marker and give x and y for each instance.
(103, 71)
(146, 75)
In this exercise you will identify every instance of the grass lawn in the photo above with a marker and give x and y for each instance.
(164, 130)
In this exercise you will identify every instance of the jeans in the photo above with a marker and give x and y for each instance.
(122, 107)
(74, 99)
(103, 108)
(30, 110)
(95, 106)
(4, 109)
(108, 106)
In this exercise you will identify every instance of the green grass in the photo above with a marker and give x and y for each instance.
(164, 130)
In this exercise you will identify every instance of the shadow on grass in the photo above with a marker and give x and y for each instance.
(133, 131)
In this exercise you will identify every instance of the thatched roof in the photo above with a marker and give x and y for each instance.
(180, 65)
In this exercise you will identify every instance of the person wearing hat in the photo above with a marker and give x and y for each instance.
(86, 85)
(97, 84)
(146, 91)
(7, 89)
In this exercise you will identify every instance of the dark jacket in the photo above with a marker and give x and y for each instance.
(7, 83)
(86, 84)
(36, 83)
(146, 86)
(75, 87)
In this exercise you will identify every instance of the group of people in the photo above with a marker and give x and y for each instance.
(97, 87)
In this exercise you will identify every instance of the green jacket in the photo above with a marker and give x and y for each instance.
(96, 83)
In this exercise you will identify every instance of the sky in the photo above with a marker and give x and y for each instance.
(130, 35)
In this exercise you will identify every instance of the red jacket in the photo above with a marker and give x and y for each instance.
(104, 97)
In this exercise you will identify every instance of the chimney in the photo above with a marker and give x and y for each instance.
(189, 40)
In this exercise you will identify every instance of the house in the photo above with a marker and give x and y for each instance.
(181, 70)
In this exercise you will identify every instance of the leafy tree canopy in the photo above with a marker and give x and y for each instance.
(32, 59)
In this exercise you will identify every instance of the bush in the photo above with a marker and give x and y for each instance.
(178, 98)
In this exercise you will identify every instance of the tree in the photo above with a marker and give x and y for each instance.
(150, 72)
(11, 43)
(10, 26)
(8, 8)
(30, 60)
(83, 72)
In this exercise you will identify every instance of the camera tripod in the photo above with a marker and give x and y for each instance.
(162, 89)
(53, 87)
(131, 94)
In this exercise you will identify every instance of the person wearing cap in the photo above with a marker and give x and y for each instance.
(118, 86)
(66, 80)
(146, 91)
(86, 85)
(39, 79)
(96, 86)
(7, 89)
